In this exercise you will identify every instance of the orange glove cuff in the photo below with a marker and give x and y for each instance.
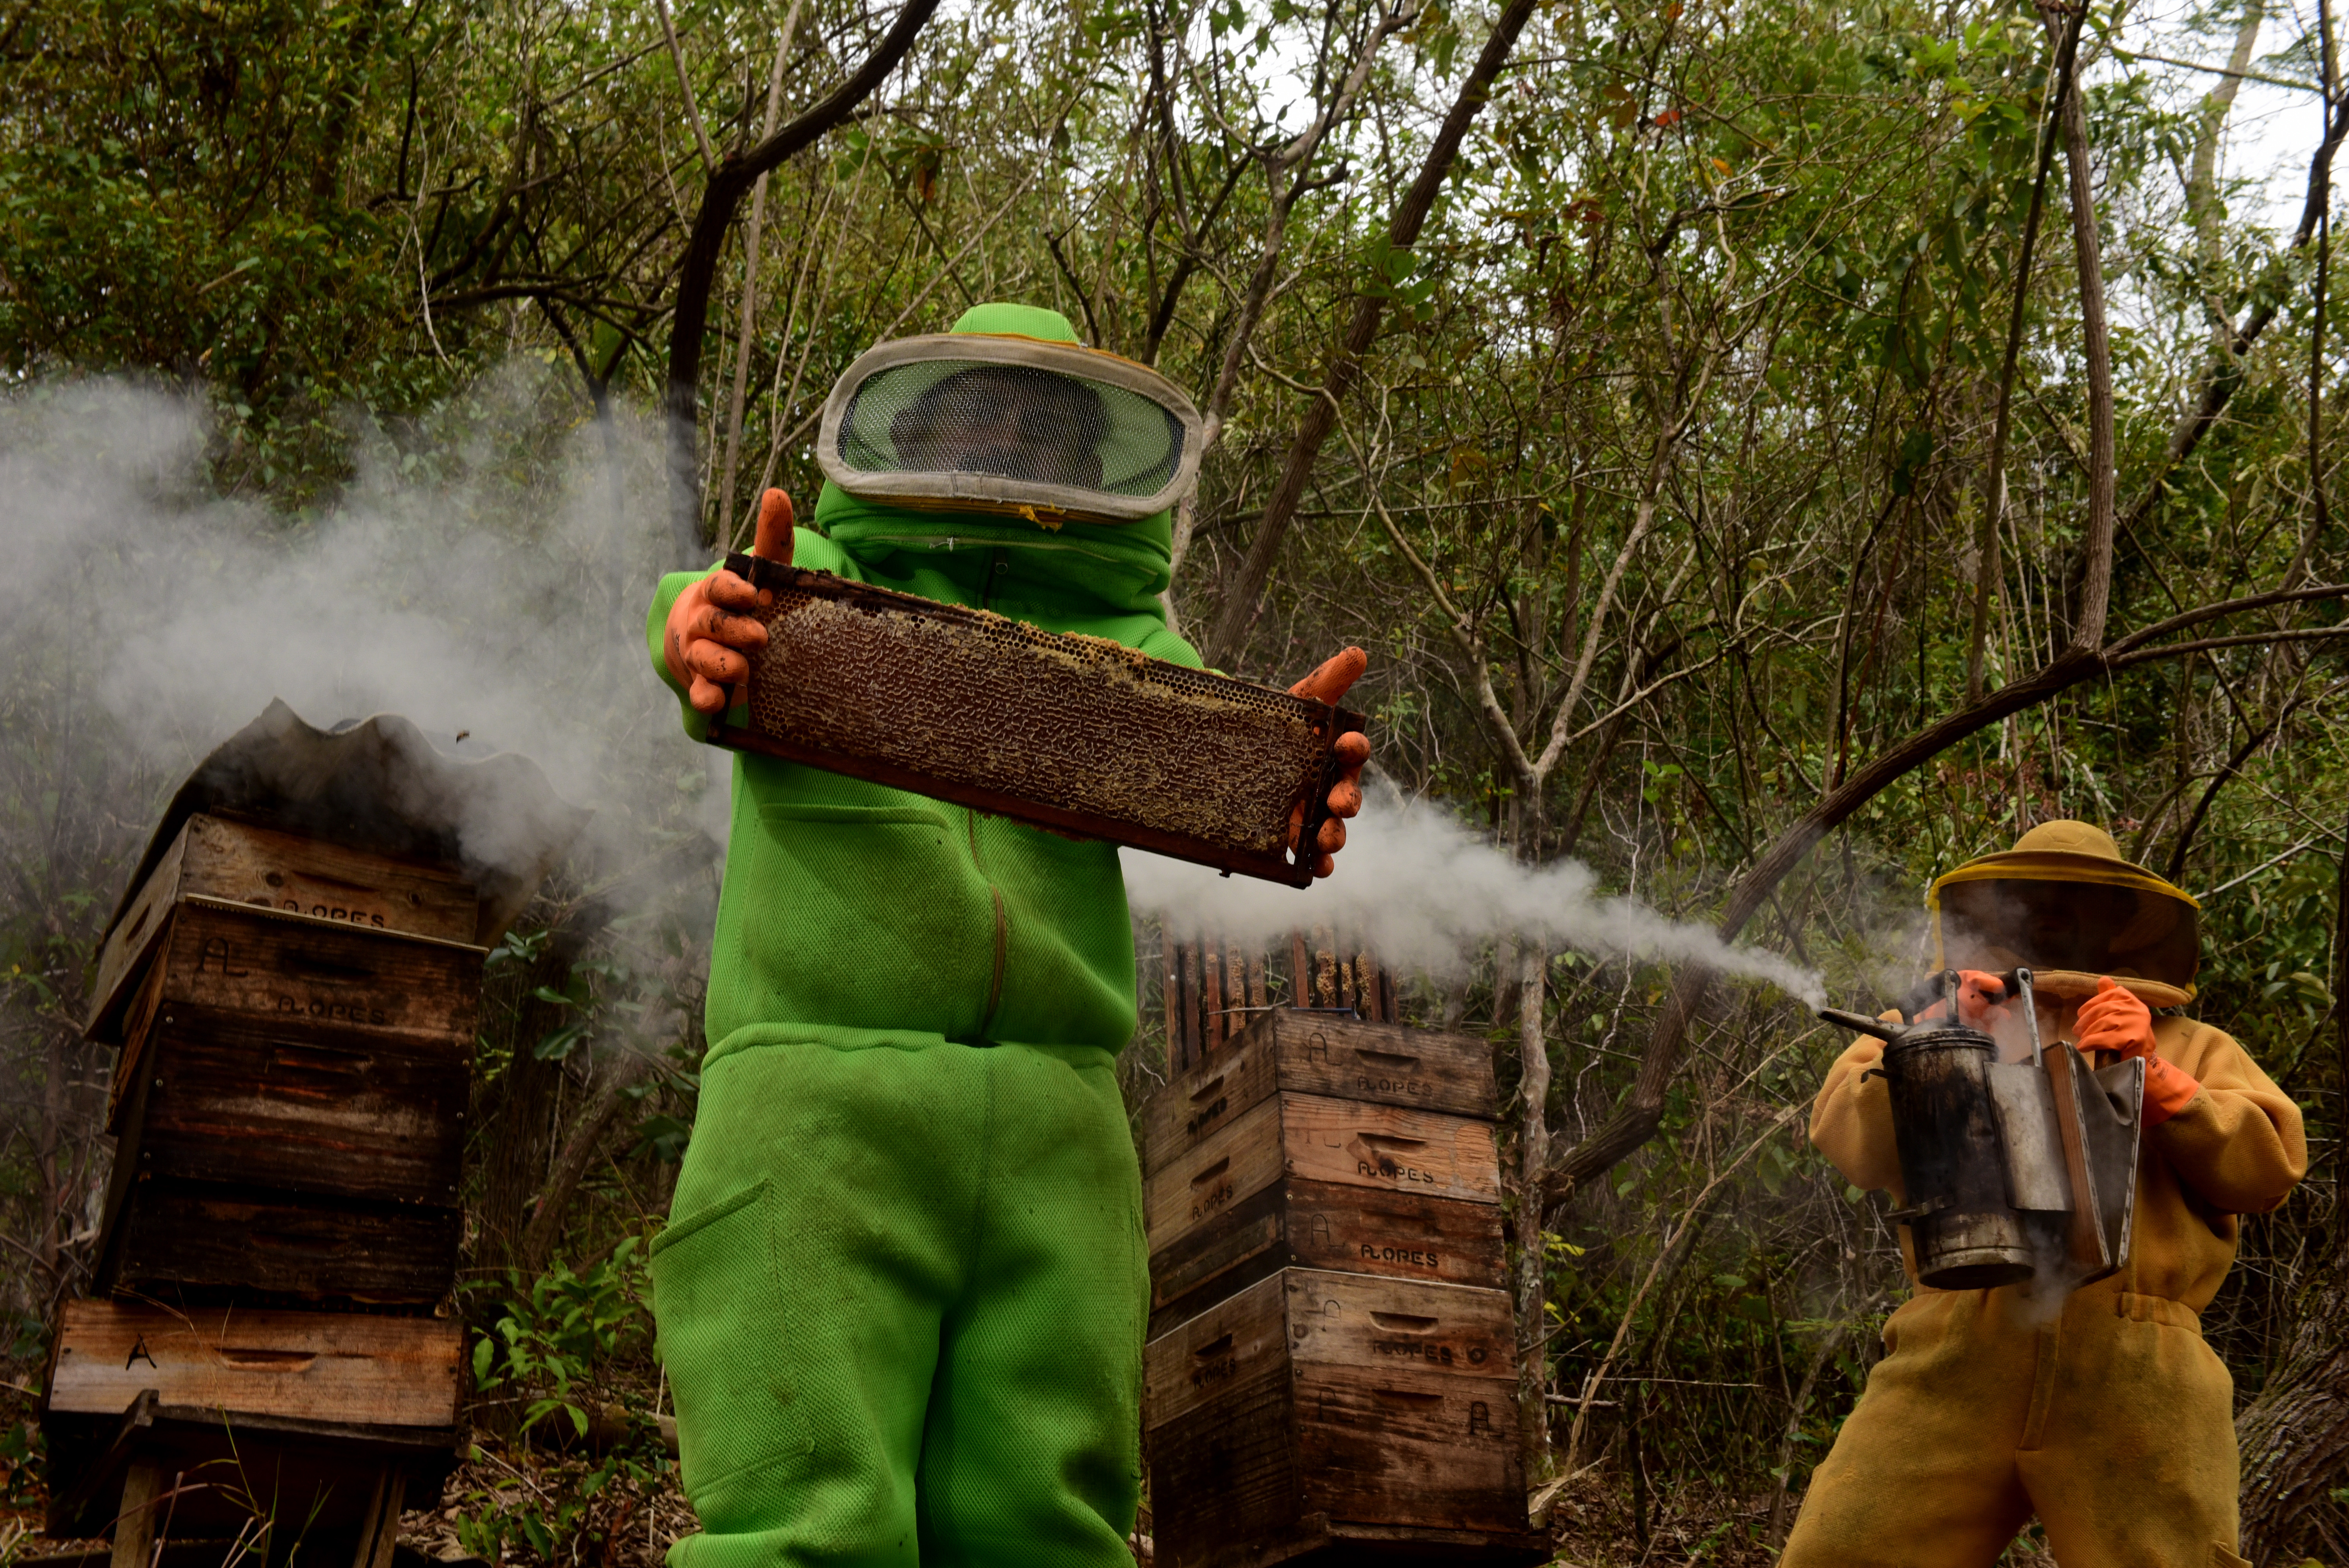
(2166, 1090)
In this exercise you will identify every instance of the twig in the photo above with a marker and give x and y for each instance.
(685, 85)
(2264, 865)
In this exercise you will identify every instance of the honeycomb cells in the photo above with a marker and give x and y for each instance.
(993, 712)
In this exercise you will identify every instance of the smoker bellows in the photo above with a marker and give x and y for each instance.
(2011, 1171)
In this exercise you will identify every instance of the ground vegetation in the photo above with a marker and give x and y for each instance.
(1771, 453)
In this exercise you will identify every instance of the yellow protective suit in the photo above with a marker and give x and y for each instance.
(2102, 1412)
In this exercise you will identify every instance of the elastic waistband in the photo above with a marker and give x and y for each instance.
(834, 1038)
(2157, 1309)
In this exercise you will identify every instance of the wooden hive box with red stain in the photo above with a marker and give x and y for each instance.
(1330, 1417)
(1324, 1141)
(296, 1022)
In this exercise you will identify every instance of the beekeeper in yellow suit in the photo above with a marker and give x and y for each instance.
(2103, 1412)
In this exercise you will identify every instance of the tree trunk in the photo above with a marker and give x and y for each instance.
(1241, 604)
(2295, 1437)
(1532, 1159)
(579, 1151)
(728, 184)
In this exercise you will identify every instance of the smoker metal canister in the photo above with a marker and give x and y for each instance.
(1952, 1161)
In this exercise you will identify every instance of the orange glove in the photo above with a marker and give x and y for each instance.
(707, 632)
(1981, 997)
(1328, 684)
(2116, 1020)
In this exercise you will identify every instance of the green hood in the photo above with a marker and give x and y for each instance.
(1017, 321)
(1119, 567)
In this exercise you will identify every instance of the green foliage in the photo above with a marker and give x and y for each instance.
(555, 1360)
(554, 1336)
(1682, 396)
(556, 1516)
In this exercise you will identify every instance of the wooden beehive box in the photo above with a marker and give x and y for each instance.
(246, 1403)
(1319, 1140)
(296, 1024)
(1328, 1417)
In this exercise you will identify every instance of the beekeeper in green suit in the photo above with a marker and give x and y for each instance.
(902, 1291)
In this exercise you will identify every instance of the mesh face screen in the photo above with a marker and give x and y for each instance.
(1019, 423)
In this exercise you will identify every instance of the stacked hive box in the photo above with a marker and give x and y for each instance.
(1330, 1373)
(297, 1026)
(295, 1021)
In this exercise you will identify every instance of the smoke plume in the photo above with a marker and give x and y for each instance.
(486, 579)
(1419, 889)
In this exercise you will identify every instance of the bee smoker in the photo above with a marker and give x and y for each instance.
(2014, 1171)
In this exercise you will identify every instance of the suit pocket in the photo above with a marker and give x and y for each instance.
(715, 1306)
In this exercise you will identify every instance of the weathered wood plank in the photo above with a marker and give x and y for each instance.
(246, 863)
(1383, 1147)
(357, 1368)
(1241, 1158)
(131, 940)
(1377, 1325)
(1350, 1325)
(1310, 1053)
(1388, 1402)
(1325, 1225)
(1389, 1148)
(174, 1234)
(1225, 1255)
(238, 863)
(1410, 1446)
(231, 1098)
(1199, 1104)
(1225, 1474)
(318, 1472)
(1234, 1341)
(134, 1526)
(376, 985)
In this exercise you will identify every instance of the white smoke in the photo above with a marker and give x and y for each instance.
(490, 590)
(1419, 889)
(492, 580)
(489, 580)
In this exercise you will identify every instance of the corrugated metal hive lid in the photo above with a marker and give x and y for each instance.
(383, 786)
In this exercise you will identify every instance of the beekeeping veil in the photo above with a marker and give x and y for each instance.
(1009, 414)
(2064, 902)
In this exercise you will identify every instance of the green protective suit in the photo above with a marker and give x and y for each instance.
(901, 1292)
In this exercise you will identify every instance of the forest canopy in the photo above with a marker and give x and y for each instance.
(1770, 454)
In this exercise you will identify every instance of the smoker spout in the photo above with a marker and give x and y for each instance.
(1863, 1024)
